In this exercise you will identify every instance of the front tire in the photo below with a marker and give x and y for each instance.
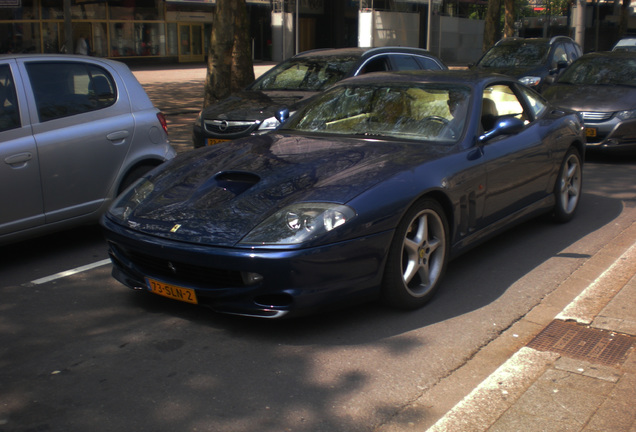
(417, 256)
(568, 187)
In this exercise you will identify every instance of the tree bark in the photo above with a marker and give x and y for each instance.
(491, 26)
(230, 66)
(242, 64)
(509, 19)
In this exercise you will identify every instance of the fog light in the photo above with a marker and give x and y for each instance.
(251, 278)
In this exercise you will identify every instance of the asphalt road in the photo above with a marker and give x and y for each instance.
(81, 352)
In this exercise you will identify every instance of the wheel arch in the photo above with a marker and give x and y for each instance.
(446, 204)
(135, 171)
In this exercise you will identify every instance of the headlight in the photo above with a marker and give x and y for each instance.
(299, 223)
(199, 120)
(269, 124)
(126, 204)
(626, 115)
(531, 81)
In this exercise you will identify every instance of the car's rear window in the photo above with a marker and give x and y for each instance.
(63, 89)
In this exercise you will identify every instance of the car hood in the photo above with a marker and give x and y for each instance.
(255, 105)
(219, 194)
(603, 98)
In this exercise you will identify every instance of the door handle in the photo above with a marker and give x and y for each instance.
(18, 159)
(118, 136)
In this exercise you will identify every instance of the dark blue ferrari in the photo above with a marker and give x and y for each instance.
(365, 193)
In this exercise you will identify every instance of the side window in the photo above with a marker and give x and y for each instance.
(9, 113)
(573, 52)
(63, 89)
(536, 103)
(376, 64)
(499, 101)
(559, 55)
(428, 64)
(403, 62)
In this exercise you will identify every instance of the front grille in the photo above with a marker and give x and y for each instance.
(186, 273)
(223, 127)
(596, 116)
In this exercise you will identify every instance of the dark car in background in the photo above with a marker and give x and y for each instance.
(601, 86)
(364, 193)
(536, 62)
(291, 82)
(75, 131)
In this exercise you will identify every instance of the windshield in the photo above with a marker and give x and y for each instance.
(601, 70)
(431, 112)
(306, 73)
(523, 54)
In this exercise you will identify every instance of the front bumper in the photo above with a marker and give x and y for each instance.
(612, 134)
(294, 281)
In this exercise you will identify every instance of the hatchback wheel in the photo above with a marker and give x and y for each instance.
(417, 256)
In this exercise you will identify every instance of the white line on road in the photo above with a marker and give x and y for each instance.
(71, 272)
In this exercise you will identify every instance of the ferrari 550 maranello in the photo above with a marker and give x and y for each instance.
(365, 193)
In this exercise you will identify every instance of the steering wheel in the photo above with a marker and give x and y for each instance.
(437, 119)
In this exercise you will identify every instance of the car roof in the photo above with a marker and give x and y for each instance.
(360, 52)
(63, 57)
(549, 41)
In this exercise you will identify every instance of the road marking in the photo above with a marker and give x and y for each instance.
(71, 272)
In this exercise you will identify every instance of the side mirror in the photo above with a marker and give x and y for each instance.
(503, 126)
(282, 115)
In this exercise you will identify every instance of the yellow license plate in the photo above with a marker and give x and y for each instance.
(212, 141)
(172, 291)
(590, 132)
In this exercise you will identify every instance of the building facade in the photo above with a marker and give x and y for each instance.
(169, 30)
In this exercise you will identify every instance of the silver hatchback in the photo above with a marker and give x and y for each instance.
(75, 131)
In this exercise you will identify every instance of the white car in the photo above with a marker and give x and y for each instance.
(75, 131)
(625, 44)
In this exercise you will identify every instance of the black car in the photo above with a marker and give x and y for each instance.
(601, 86)
(364, 193)
(293, 81)
(536, 62)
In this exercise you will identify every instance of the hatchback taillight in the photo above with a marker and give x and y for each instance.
(162, 120)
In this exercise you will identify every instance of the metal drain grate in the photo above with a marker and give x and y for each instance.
(585, 343)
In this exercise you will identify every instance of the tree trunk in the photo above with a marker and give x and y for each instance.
(229, 58)
(491, 26)
(242, 65)
(509, 20)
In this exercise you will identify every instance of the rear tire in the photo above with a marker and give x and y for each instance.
(417, 256)
(567, 190)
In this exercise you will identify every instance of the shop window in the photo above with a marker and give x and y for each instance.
(136, 39)
(173, 39)
(66, 89)
(20, 37)
(50, 37)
